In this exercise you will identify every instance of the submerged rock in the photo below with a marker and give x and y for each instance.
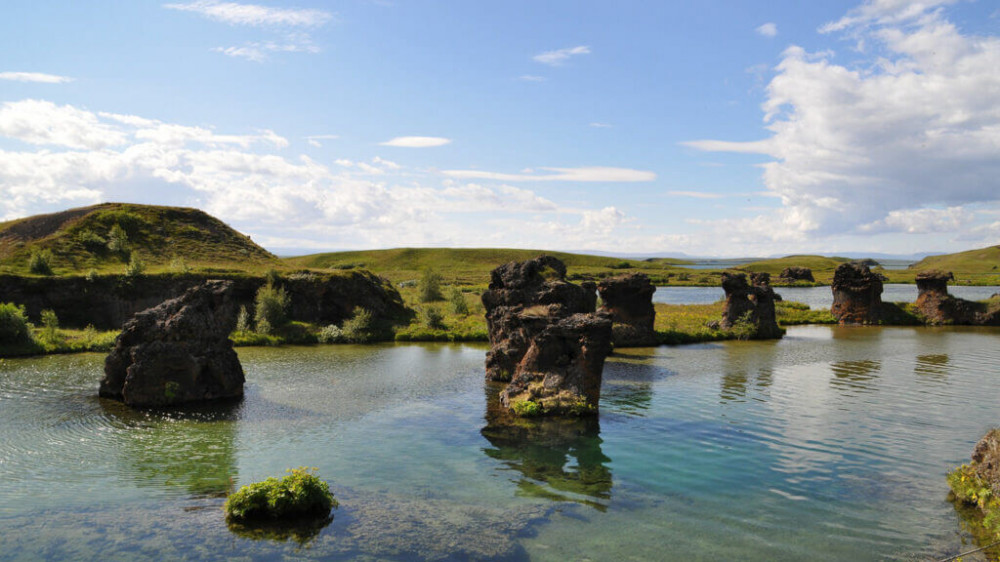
(796, 273)
(628, 300)
(751, 303)
(936, 306)
(561, 371)
(857, 295)
(177, 352)
(524, 297)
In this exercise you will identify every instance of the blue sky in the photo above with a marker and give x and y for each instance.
(720, 128)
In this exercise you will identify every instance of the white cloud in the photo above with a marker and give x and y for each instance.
(416, 142)
(559, 56)
(34, 77)
(585, 174)
(695, 194)
(314, 140)
(531, 78)
(598, 125)
(769, 29)
(887, 142)
(45, 123)
(234, 13)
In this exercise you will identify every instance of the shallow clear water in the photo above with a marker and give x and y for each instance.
(815, 297)
(831, 444)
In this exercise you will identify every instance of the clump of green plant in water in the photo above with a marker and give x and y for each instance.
(14, 326)
(298, 495)
(977, 484)
(526, 408)
(430, 286)
(40, 262)
(457, 300)
(270, 308)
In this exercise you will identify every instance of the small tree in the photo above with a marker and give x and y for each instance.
(14, 327)
(430, 286)
(360, 327)
(50, 326)
(118, 242)
(270, 308)
(243, 320)
(433, 318)
(40, 262)
(458, 304)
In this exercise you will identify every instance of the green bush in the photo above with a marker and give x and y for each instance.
(360, 327)
(744, 328)
(50, 326)
(331, 334)
(433, 318)
(118, 242)
(40, 262)
(300, 494)
(135, 267)
(14, 327)
(430, 287)
(91, 241)
(243, 321)
(271, 308)
(526, 408)
(458, 304)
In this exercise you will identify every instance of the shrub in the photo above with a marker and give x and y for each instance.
(91, 241)
(270, 308)
(243, 321)
(430, 287)
(433, 318)
(118, 241)
(331, 334)
(458, 304)
(135, 267)
(272, 277)
(179, 265)
(14, 327)
(50, 326)
(40, 262)
(744, 328)
(300, 494)
(360, 327)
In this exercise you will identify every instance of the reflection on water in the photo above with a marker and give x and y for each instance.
(300, 531)
(932, 366)
(559, 459)
(854, 375)
(746, 364)
(192, 448)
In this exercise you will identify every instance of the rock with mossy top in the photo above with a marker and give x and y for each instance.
(628, 300)
(936, 306)
(750, 306)
(299, 495)
(977, 484)
(178, 352)
(857, 295)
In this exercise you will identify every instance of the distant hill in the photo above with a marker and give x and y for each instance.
(471, 265)
(981, 261)
(105, 237)
(821, 266)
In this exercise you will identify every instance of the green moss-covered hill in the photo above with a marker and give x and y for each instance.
(106, 237)
(472, 266)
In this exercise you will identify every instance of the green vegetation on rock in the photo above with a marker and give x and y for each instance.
(298, 495)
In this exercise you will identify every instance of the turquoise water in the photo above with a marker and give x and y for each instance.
(831, 444)
(815, 297)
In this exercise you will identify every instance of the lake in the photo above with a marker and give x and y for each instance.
(815, 297)
(831, 444)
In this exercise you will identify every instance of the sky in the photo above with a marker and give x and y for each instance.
(710, 128)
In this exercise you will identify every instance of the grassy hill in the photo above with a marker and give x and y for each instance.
(981, 266)
(106, 237)
(472, 266)
(822, 267)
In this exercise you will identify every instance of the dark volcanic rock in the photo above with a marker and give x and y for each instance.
(938, 307)
(561, 370)
(628, 300)
(524, 297)
(796, 273)
(753, 301)
(857, 295)
(178, 352)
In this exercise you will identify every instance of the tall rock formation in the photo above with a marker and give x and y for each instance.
(857, 295)
(936, 306)
(545, 338)
(177, 352)
(796, 273)
(752, 302)
(628, 300)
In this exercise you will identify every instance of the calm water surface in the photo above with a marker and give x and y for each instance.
(815, 297)
(831, 444)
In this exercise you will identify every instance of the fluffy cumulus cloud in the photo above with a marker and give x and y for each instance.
(904, 140)
(768, 29)
(62, 155)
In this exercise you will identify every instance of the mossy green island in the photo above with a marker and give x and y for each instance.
(300, 494)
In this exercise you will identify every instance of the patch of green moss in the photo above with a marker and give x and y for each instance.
(526, 408)
(299, 495)
(970, 490)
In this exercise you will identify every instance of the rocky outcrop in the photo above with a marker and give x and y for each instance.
(857, 295)
(522, 299)
(545, 338)
(796, 273)
(107, 301)
(561, 370)
(751, 302)
(178, 352)
(628, 300)
(937, 307)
